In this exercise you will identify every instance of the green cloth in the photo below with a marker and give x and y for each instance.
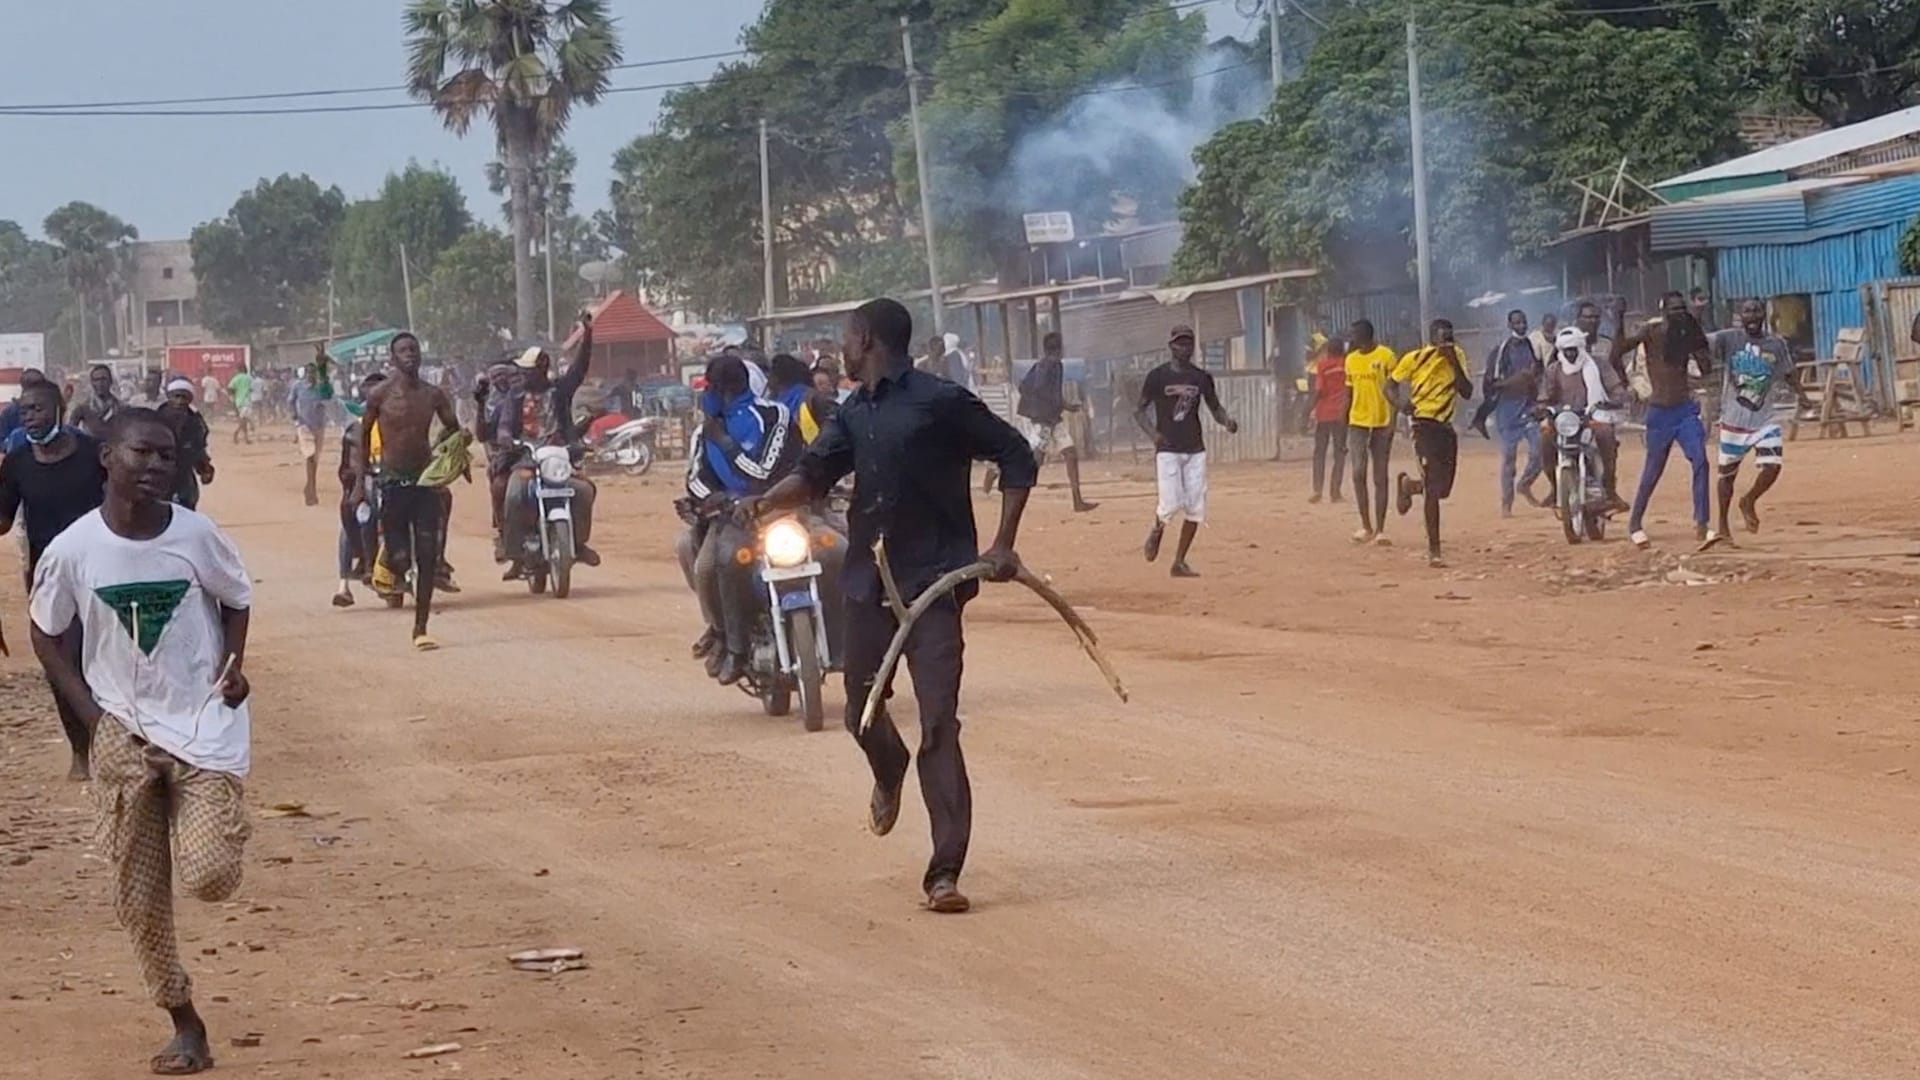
(452, 459)
(241, 388)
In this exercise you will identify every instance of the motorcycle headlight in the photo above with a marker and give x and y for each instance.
(1567, 423)
(556, 469)
(786, 544)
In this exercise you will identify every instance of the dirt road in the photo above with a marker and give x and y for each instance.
(1548, 813)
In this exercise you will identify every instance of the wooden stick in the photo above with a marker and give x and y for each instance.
(979, 571)
(887, 580)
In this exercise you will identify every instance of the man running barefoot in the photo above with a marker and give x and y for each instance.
(1673, 415)
(404, 408)
(1169, 412)
(1756, 363)
(161, 598)
(1434, 379)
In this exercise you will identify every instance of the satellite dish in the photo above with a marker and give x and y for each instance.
(600, 272)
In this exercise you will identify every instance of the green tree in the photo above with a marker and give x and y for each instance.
(420, 211)
(1519, 103)
(466, 307)
(1014, 76)
(92, 253)
(265, 264)
(1841, 60)
(35, 296)
(575, 238)
(524, 64)
(1909, 248)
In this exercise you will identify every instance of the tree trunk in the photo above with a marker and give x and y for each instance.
(520, 192)
(83, 358)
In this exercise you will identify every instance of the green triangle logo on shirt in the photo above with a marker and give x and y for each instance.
(144, 608)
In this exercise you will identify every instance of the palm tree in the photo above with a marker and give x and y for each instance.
(93, 251)
(525, 64)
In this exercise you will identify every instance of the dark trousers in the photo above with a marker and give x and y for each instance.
(933, 658)
(1329, 433)
(410, 517)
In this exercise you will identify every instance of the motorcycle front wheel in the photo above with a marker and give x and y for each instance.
(806, 650)
(562, 559)
(1572, 504)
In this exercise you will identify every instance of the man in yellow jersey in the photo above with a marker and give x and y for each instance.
(1369, 427)
(1427, 384)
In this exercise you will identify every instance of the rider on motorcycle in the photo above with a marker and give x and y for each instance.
(1575, 380)
(539, 410)
(745, 445)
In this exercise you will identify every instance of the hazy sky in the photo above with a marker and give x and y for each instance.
(167, 174)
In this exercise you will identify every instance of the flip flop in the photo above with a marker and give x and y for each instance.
(424, 643)
(341, 599)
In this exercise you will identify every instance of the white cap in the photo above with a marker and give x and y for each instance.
(179, 386)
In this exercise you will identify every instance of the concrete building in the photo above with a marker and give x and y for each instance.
(163, 298)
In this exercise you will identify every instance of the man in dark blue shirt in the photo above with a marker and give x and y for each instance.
(910, 439)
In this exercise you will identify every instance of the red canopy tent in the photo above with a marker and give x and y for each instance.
(628, 338)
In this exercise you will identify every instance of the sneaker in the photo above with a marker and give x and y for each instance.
(444, 582)
(1182, 570)
(343, 598)
(1402, 495)
(1362, 535)
(945, 897)
(1380, 540)
(1154, 536)
(1435, 561)
(1640, 539)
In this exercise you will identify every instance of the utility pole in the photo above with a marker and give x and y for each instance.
(1423, 258)
(1274, 8)
(766, 228)
(546, 222)
(330, 334)
(406, 282)
(925, 177)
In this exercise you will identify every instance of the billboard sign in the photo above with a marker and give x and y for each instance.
(23, 351)
(219, 361)
(1050, 228)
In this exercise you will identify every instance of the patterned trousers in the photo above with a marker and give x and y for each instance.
(155, 814)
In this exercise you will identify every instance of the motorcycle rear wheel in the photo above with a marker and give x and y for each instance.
(806, 650)
(642, 464)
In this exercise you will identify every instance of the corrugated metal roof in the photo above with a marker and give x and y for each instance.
(1797, 212)
(1803, 153)
(1865, 205)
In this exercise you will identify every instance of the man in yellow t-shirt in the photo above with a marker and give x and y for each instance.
(1369, 427)
(1428, 383)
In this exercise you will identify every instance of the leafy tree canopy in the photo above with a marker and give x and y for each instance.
(265, 263)
(466, 305)
(1519, 102)
(419, 209)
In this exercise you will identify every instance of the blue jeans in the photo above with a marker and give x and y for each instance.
(1666, 425)
(1512, 417)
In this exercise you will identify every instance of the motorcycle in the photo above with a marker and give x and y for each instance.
(790, 652)
(1580, 487)
(628, 447)
(547, 548)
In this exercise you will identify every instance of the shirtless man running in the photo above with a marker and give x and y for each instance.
(411, 521)
(1673, 415)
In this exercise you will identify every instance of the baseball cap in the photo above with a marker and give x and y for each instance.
(1181, 331)
(530, 358)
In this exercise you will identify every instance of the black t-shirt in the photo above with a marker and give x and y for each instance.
(1176, 396)
(53, 496)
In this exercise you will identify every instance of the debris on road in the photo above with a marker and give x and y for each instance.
(432, 1051)
(548, 961)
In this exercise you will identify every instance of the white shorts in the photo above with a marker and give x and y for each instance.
(1768, 445)
(1183, 485)
(1046, 438)
(308, 440)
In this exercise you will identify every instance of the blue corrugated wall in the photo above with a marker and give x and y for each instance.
(1830, 270)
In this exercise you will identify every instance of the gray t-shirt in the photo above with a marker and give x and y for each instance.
(1755, 371)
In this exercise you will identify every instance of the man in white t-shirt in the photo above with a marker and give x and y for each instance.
(162, 601)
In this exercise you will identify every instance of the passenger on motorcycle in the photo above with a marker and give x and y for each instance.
(745, 446)
(538, 411)
(810, 405)
(1574, 379)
